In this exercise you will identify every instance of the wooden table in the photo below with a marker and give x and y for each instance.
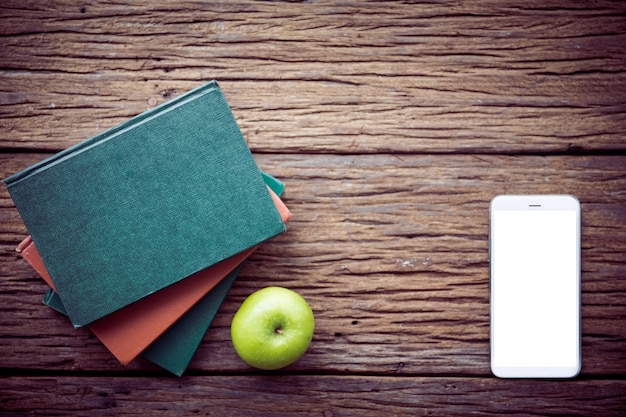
(392, 125)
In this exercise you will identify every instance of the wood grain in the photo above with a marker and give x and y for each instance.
(328, 396)
(391, 252)
(393, 124)
(351, 77)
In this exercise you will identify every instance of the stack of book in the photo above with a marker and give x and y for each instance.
(141, 230)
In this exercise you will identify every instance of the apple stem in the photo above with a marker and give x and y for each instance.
(279, 330)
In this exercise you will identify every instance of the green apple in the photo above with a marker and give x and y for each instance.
(272, 328)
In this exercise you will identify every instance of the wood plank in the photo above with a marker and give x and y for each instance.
(328, 396)
(392, 253)
(349, 77)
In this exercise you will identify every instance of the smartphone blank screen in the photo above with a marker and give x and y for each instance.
(535, 286)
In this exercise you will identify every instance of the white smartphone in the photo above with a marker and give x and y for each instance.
(535, 286)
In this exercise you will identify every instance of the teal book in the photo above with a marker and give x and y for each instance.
(177, 183)
(174, 349)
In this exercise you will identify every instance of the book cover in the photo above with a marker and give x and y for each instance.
(177, 183)
(129, 331)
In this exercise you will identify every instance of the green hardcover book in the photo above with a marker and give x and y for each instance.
(175, 348)
(177, 182)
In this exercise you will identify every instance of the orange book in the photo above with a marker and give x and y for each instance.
(130, 330)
